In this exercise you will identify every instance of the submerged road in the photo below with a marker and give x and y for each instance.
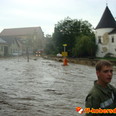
(43, 87)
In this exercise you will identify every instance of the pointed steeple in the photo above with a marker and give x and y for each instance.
(107, 20)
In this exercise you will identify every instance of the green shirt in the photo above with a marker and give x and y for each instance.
(103, 98)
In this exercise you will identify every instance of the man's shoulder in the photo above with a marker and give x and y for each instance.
(94, 93)
(93, 98)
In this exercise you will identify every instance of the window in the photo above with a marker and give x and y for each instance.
(99, 39)
(112, 39)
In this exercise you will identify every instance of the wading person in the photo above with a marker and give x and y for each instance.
(103, 95)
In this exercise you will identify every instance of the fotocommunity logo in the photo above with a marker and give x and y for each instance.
(95, 111)
(79, 110)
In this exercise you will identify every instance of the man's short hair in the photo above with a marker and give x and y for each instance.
(102, 63)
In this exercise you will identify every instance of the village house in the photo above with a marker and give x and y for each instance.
(13, 48)
(106, 34)
(3, 47)
(23, 40)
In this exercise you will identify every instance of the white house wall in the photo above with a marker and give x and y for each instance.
(101, 32)
(112, 45)
(100, 52)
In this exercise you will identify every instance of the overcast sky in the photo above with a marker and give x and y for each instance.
(47, 13)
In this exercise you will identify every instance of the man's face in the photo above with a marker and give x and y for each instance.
(105, 75)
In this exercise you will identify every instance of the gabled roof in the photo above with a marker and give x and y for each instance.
(8, 39)
(11, 40)
(21, 31)
(107, 20)
(113, 31)
(2, 41)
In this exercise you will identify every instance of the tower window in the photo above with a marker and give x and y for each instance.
(99, 39)
(112, 39)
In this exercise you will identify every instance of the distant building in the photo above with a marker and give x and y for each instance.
(14, 47)
(21, 40)
(3, 46)
(106, 34)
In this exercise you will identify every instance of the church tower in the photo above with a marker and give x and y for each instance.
(106, 34)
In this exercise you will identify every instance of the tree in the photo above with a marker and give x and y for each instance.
(71, 32)
(49, 45)
(85, 47)
(64, 33)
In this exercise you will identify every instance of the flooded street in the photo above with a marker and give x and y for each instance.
(43, 87)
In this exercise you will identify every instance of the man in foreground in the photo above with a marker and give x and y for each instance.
(102, 95)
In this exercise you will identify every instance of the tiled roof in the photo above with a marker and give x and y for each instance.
(20, 31)
(107, 20)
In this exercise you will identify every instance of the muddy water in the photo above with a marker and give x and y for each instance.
(43, 87)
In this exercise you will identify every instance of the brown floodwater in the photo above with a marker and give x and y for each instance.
(43, 87)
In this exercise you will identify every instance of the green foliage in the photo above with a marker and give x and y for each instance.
(50, 47)
(85, 47)
(65, 33)
(78, 36)
(106, 58)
